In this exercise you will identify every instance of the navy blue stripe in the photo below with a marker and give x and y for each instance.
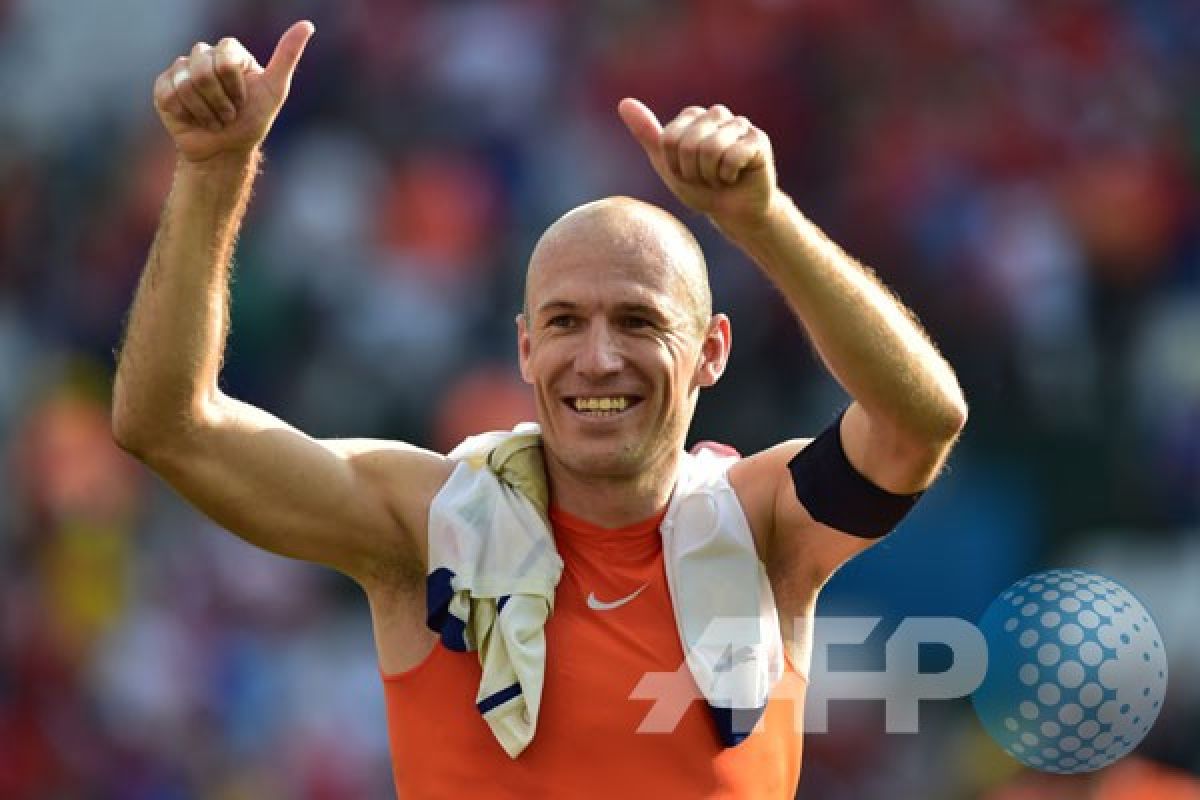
(439, 591)
(454, 634)
(735, 724)
(499, 698)
(501, 603)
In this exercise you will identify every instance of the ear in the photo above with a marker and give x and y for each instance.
(523, 347)
(714, 351)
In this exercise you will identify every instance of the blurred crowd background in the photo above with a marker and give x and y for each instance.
(1023, 174)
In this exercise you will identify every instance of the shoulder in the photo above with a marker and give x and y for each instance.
(406, 478)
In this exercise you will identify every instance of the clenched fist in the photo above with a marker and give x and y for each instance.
(716, 163)
(218, 100)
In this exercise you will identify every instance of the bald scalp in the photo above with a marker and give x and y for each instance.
(625, 225)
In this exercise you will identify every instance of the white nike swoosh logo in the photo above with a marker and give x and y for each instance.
(600, 605)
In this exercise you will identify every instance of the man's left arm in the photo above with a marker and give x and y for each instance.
(907, 406)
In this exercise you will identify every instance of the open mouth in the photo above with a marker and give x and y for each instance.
(599, 407)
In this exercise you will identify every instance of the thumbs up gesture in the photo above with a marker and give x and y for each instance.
(218, 100)
(716, 163)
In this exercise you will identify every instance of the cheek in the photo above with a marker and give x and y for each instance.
(682, 367)
(540, 356)
(542, 369)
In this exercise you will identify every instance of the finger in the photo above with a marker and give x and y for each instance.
(203, 68)
(713, 148)
(690, 142)
(673, 132)
(720, 113)
(287, 55)
(166, 100)
(231, 62)
(643, 124)
(747, 153)
(185, 90)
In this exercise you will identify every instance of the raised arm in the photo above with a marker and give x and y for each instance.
(354, 505)
(907, 407)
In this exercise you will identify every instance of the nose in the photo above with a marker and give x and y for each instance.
(599, 354)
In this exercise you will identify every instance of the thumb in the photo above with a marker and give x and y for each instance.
(287, 55)
(644, 126)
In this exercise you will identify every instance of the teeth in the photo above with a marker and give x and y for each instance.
(601, 403)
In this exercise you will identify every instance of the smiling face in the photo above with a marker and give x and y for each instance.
(617, 340)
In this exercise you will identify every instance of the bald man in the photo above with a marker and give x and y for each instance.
(616, 338)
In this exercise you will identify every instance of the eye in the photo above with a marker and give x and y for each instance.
(633, 322)
(564, 321)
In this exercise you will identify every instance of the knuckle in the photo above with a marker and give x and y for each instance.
(722, 134)
(700, 132)
(679, 123)
(203, 73)
(709, 143)
(226, 68)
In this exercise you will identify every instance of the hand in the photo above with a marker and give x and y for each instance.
(219, 101)
(715, 163)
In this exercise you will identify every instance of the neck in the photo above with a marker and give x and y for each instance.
(612, 502)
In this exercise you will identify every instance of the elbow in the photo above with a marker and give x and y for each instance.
(121, 423)
(945, 412)
(925, 455)
(145, 436)
(128, 427)
(128, 435)
(935, 430)
(953, 417)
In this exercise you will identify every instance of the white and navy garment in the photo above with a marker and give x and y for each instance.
(494, 569)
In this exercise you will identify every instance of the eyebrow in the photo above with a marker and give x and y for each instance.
(644, 310)
(635, 308)
(556, 305)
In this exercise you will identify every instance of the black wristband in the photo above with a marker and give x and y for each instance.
(835, 494)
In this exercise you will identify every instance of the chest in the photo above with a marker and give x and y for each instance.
(612, 623)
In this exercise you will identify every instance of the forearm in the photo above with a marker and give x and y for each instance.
(870, 342)
(175, 337)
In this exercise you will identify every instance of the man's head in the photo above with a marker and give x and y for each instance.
(617, 338)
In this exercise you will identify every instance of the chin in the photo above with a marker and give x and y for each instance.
(603, 462)
(602, 459)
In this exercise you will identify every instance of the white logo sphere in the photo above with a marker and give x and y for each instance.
(1076, 671)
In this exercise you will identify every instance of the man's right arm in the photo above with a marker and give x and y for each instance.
(356, 505)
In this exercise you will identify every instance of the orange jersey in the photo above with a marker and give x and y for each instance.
(612, 623)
